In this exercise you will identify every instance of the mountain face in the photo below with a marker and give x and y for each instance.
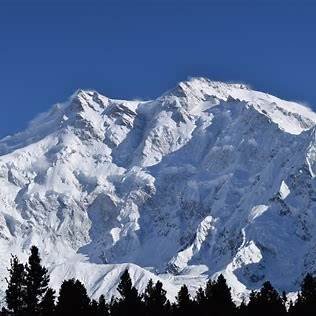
(209, 178)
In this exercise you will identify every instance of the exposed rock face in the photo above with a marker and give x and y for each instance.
(208, 178)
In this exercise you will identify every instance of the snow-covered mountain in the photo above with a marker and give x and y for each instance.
(209, 178)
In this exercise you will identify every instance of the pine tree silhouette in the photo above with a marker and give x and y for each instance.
(16, 291)
(130, 302)
(155, 299)
(201, 302)
(266, 302)
(218, 297)
(184, 302)
(241, 310)
(28, 294)
(93, 311)
(73, 299)
(306, 300)
(37, 280)
(103, 307)
(47, 305)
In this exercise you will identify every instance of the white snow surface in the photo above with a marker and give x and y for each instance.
(209, 178)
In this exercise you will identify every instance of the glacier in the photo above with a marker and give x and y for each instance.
(208, 178)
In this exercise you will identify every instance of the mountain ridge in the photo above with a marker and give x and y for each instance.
(208, 178)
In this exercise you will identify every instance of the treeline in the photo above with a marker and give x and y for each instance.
(28, 294)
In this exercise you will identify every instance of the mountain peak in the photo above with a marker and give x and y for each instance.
(292, 117)
(210, 178)
(200, 86)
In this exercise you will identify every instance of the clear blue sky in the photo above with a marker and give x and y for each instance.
(138, 49)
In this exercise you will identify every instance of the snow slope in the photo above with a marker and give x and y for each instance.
(209, 178)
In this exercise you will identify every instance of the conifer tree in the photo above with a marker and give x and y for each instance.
(103, 308)
(200, 296)
(223, 297)
(94, 306)
(125, 287)
(306, 300)
(114, 306)
(241, 310)
(155, 299)
(291, 309)
(266, 302)
(308, 289)
(201, 302)
(184, 302)
(47, 305)
(130, 301)
(73, 299)
(37, 280)
(218, 297)
(168, 308)
(16, 290)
